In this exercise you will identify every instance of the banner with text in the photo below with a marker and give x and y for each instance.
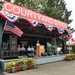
(23, 12)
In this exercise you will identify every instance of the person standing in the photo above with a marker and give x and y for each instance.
(37, 45)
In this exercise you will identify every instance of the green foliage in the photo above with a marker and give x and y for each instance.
(1, 4)
(50, 11)
(64, 14)
(73, 49)
(25, 3)
(32, 4)
(61, 6)
(53, 8)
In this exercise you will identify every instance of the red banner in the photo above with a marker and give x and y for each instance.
(20, 11)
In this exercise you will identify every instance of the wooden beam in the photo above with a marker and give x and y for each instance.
(37, 35)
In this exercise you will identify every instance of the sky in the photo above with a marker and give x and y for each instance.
(70, 4)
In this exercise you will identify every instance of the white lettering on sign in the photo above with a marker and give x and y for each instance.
(20, 11)
(8, 7)
(16, 9)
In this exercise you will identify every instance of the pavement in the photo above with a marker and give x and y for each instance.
(56, 68)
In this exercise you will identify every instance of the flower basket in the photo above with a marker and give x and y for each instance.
(29, 65)
(19, 65)
(18, 68)
(24, 67)
(34, 66)
(9, 70)
(70, 57)
(74, 57)
(67, 59)
(14, 69)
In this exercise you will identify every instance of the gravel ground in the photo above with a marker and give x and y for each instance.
(57, 68)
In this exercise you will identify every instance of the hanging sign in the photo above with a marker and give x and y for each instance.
(23, 12)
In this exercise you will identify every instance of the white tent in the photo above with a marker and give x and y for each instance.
(71, 40)
(70, 43)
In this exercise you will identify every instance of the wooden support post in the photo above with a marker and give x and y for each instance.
(1, 33)
(55, 41)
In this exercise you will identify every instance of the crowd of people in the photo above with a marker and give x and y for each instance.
(24, 51)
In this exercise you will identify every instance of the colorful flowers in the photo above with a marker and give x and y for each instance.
(70, 57)
(11, 64)
(31, 60)
(23, 63)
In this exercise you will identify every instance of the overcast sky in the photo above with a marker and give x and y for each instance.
(71, 6)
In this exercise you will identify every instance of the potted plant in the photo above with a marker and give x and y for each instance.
(10, 66)
(22, 64)
(19, 65)
(31, 63)
(70, 57)
(15, 66)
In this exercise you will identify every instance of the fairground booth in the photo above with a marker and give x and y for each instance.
(22, 27)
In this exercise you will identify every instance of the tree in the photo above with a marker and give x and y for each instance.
(25, 3)
(1, 3)
(64, 14)
(53, 8)
(31, 4)
(52, 12)
(60, 6)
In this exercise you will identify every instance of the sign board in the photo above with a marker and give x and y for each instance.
(23, 12)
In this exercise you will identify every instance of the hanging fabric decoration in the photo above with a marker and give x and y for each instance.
(49, 27)
(60, 30)
(32, 22)
(69, 32)
(9, 17)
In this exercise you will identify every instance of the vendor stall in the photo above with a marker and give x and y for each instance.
(27, 26)
(21, 26)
